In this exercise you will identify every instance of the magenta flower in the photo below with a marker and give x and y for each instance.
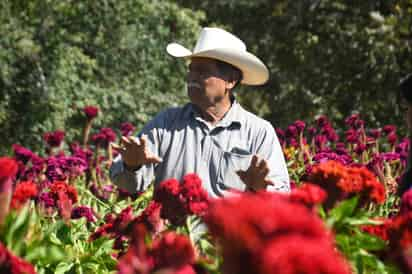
(54, 139)
(392, 137)
(91, 112)
(375, 133)
(388, 129)
(300, 125)
(22, 154)
(104, 137)
(46, 199)
(63, 167)
(322, 121)
(352, 136)
(127, 128)
(330, 133)
(83, 211)
(292, 132)
(351, 120)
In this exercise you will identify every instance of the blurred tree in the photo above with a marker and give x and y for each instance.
(332, 57)
(59, 56)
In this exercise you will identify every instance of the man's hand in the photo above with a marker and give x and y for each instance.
(255, 176)
(135, 152)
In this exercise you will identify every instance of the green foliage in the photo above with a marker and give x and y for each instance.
(58, 56)
(330, 57)
(359, 247)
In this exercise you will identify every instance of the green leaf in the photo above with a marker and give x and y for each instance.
(63, 267)
(343, 210)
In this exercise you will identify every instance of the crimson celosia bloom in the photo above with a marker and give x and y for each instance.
(308, 194)
(62, 187)
(169, 253)
(83, 211)
(8, 168)
(180, 200)
(380, 230)
(167, 194)
(296, 254)
(341, 182)
(246, 224)
(104, 137)
(10, 263)
(91, 112)
(172, 251)
(54, 139)
(126, 128)
(193, 195)
(150, 217)
(23, 192)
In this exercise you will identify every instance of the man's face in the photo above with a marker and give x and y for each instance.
(206, 85)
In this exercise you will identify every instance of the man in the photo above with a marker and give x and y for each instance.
(212, 136)
(406, 94)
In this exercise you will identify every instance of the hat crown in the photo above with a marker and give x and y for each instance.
(213, 38)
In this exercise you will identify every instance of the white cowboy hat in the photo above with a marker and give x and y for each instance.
(219, 44)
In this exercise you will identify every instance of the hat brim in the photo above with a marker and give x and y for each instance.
(254, 72)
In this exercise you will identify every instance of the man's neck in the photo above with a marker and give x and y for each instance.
(213, 114)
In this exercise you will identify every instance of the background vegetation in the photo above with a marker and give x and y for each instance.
(330, 57)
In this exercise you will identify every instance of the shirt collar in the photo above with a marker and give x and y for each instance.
(233, 116)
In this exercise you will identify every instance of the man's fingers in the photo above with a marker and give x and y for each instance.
(116, 146)
(269, 183)
(262, 164)
(125, 141)
(154, 159)
(134, 140)
(254, 161)
(143, 140)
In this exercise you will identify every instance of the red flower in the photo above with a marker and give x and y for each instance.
(23, 192)
(63, 187)
(150, 217)
(294, 254)
(380, 231)
(194, 196)
(172, 251)
(91, 112)
(168, 195)
(245, 224)
(342, 182)
(8, 168)
(54, 139)
(10, 263)
(308, 194)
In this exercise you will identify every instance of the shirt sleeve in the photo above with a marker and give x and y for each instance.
(269, 148)
(139, 180)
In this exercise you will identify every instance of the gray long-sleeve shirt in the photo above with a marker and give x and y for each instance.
(188, 144)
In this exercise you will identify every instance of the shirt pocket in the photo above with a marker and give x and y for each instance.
(237, 159)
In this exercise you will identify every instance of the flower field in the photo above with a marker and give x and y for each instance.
(59, 213)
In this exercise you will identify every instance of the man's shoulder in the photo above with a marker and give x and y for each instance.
(252, 120)
(172, 114)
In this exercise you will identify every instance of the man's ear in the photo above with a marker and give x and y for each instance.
(230, 84)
